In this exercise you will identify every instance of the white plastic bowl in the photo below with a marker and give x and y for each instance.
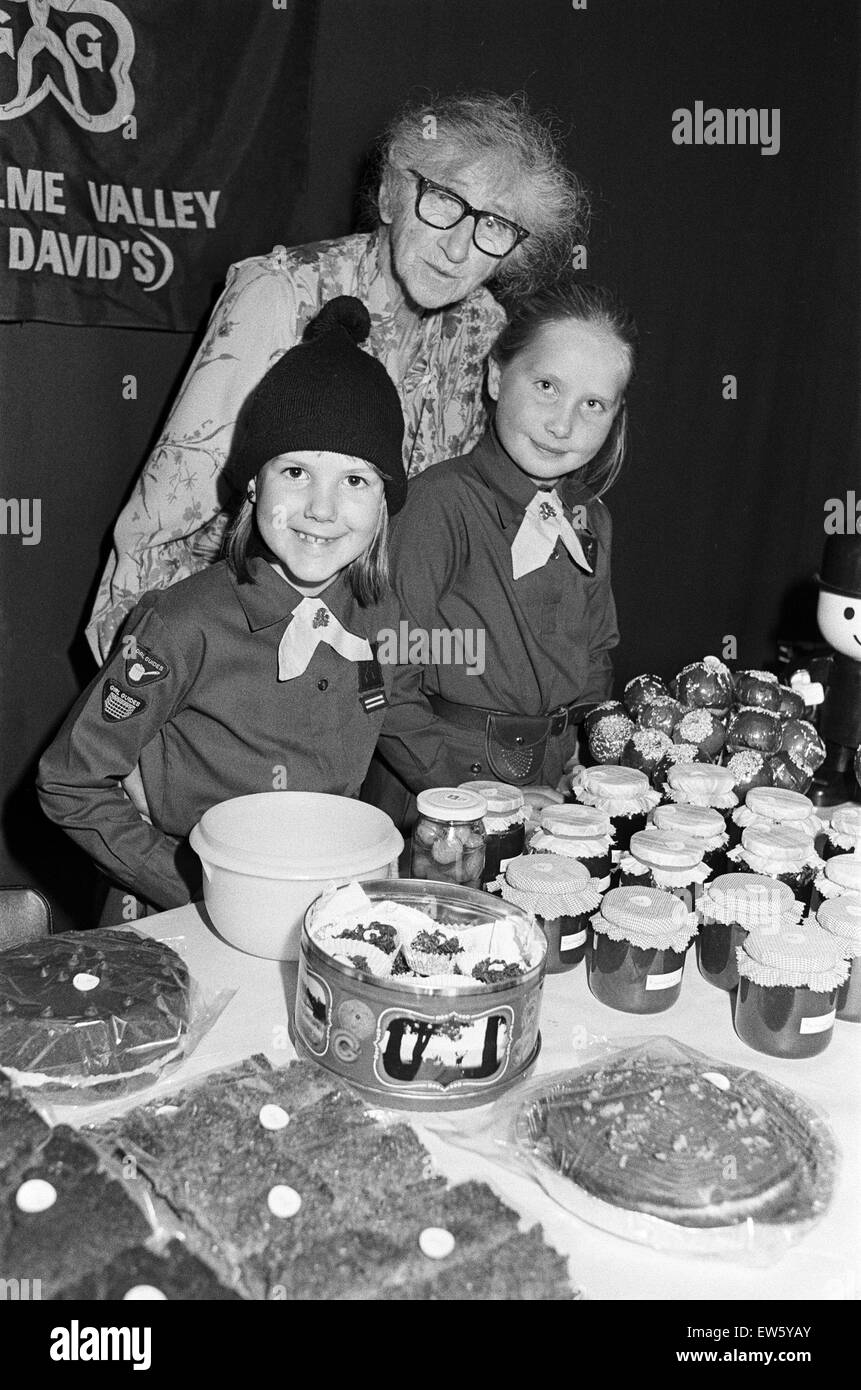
(266, 858)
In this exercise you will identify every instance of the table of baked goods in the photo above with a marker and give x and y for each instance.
(822, 1265)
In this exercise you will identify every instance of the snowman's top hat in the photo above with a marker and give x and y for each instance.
(841, 566)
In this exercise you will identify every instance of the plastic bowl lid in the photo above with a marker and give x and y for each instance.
(700, 821)
(451, 803)
(845, 870)
(500, 797)
(665, 849)
(575, 822)
(301, 835)
(778, 804)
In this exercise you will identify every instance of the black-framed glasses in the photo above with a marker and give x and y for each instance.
(439, 207)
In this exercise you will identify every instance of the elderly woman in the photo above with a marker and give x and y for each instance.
(470, 190)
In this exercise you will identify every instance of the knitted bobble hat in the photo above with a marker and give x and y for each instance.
(327, 394)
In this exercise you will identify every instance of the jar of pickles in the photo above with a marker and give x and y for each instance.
(841, 918)
(777, 806)
(663, 859)
(583, 833)
(504, 824)
(732, 905)
(840, 878)
(787, 991)
(778, 851)
(703, 824)
(448, 839)
(843, 835)
(635, 954)
(622, 793)
(561, 896)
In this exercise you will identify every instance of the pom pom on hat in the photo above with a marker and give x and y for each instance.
(327, 394)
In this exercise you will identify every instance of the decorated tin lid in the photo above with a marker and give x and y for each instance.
(665, 849)
(647, 917)
(451, 803)
(841, 918)
(845, 870)
(804, 956)
(576, 822)
(700, 822)
(846, 820)
(548, 885)
(500, 797)
(774, 803)
(703, 784)
(780, 844)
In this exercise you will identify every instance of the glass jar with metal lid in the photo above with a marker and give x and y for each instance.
(702, 824)
(663, 859)
(841, 918)
(504, 824)
(623, 793)
(731, 905)
(787, 990)
(448, 839)
(843, 834)
(839, 878)
(778, 851)
(583, 833)
(635, 954)
(561, 896)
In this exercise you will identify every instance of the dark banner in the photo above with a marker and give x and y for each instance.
(144, 146)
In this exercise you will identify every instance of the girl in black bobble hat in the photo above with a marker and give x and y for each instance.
(260, 673)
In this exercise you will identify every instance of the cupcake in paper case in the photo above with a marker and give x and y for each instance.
(706, 683)
(382, 936)
(433, 951)
(489, 971)
(361, 956)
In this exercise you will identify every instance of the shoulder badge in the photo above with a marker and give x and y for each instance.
(142, 668)
(118, 704)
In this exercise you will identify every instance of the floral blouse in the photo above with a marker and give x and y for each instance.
(176, 517)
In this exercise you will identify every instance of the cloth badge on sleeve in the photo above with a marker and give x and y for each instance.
(118, 704)
(142, 668)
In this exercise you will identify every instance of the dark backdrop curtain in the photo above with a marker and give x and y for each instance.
(734, 262)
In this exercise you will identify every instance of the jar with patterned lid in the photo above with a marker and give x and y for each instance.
(787, 990)
(702, 784)
(732, 905)
(561, 895)
(504, 824)
(448, 839)
(840, 877)
(622, 793)
(843, 834)
(776, 806)
(702, 824)
(667, 860)
(577, 832)
(841, 918)
(635, 954)
(778, 851)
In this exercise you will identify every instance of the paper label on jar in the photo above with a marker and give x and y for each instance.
(603, 884)
(567, 943)
(663, 981)
(818, 1023)
(504, 863)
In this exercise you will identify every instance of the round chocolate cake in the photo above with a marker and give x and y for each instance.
(105, 1009)
(673, 1139)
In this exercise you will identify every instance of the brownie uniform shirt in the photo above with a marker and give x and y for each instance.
(193, 695)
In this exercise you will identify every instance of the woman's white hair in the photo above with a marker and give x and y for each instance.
(437, 134)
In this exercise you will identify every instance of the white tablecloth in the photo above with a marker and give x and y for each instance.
(824, 1265)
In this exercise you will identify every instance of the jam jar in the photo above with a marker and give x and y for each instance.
(776, 806)
(778, 851)
(504, 827)
(843, 835)
(841, 877)
(787, 990)
(841, 918)
(664, 859)
(577, 832)
(700, 823)
(635, 954)
(623, 793)
(730, 906)
(448, 839)
(561, 896)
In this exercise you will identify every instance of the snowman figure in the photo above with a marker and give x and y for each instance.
(839, 619)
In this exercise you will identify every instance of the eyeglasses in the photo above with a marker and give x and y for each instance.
(439, 207)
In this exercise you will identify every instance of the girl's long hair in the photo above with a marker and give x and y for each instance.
(571, 298)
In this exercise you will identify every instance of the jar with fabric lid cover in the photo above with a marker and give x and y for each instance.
(731, 906)
(635, 954)
(583, 833)
(843, 834)
(778, 851)
(776, 806)
(703, 824)
(561, 896)
(622, 793)
(667, 860)
(504, 824)
(839, 878)
(841, 918)
(787, 990)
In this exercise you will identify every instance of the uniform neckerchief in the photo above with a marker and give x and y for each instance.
(542, 526)
(312, 622)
